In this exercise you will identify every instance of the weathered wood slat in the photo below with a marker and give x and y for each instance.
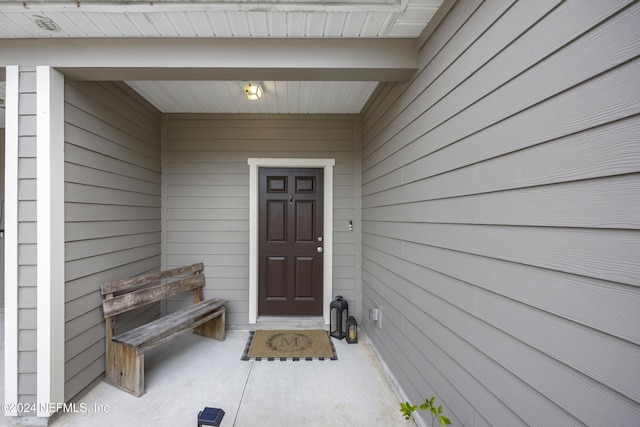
(216, 316)
(133, 300)
(125, 368)
(137, 281)
(168, 324)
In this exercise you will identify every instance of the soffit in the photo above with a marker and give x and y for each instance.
(262, 19)
(311, 91)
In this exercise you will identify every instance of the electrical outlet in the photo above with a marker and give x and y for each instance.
(375, 314)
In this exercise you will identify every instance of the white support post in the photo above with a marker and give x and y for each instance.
(50, 237)
(11, 241)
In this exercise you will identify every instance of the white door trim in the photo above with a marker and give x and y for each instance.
(254, 165)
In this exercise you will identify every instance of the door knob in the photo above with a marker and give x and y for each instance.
(319, 249)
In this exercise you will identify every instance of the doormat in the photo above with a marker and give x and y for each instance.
(289, 345)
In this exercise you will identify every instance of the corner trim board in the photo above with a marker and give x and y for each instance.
(50, 236)
(11, 240)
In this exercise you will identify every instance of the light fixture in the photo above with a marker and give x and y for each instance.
(253, 91)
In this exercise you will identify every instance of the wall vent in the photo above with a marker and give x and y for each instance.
(45, 23)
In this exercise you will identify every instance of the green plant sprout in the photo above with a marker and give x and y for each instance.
(408, 409)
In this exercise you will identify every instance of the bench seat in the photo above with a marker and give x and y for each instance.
(165, 328)
(125, 351)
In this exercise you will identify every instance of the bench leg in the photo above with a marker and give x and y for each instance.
(214, 328)
(125, 368)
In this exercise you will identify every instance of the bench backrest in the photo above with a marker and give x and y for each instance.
(130, 298)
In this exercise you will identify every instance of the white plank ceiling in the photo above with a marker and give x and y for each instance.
(228, 19)
(318, 97)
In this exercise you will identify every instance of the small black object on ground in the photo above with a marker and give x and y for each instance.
(210, 417)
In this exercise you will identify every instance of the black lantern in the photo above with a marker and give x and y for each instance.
(352, 330)
(338, 319)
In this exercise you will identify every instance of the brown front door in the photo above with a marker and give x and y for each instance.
(290, 242)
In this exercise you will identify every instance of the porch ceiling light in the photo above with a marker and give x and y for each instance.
(253, 91)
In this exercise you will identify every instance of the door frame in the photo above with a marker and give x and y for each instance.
(327, 281)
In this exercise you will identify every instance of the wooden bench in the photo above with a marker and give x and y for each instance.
(125, 352)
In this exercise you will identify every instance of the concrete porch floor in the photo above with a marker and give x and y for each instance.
(191, 372)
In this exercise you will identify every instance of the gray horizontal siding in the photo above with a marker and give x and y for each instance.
(112, 212)
(206, 193)
(27, 302)
(499, 207)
